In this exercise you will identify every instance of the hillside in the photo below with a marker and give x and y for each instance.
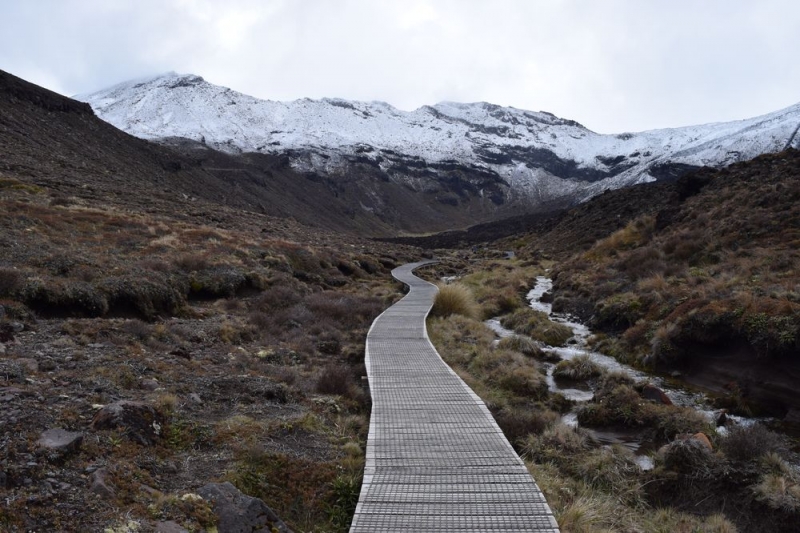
(106, 164)
(158, 334)
(488, 159)
(704, 284)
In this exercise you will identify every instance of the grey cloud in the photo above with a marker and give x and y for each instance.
(617, 65)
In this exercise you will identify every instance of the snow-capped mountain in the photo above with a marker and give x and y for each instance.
(500, 153)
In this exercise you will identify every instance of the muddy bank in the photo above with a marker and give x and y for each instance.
(768, 387)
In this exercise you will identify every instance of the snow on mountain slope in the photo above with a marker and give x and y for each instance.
(536, 156)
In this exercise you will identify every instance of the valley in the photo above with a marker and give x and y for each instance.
(187, 300)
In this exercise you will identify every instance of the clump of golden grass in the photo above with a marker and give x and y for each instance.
(779, 492)
(455, 299)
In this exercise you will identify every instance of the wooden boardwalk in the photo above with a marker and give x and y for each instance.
(436, 459)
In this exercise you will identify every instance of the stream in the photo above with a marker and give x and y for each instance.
(581, 392)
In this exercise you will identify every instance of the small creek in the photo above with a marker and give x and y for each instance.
(581, 392)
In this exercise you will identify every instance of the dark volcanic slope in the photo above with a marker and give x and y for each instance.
(59, 143)
(560, 231)
(707, 283)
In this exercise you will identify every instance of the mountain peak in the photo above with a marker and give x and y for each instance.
(535, 155)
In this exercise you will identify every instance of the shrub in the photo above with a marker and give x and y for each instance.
(10, 281)
(144, 295)
(297, 489)
(216, 282)
(500, 302)
(618, 312)
(335, 379)
(278, 297)
(344, 310)
(141, 331)
(558, 444)
(689, 456)
(63, 298)
(622, 405)
(612, 470)
(455, 299)
(521, 380)
(746, 443)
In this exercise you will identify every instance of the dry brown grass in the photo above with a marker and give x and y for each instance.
(455, 299)
(714, 271)
(537, 325)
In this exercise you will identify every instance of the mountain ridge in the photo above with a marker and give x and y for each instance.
(509, 155)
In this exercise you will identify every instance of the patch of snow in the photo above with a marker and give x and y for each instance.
(503, 140)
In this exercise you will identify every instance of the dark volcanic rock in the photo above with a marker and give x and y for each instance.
(141, 421)
(239, 513)
(651, 392)
(58, 443)
(99, 484)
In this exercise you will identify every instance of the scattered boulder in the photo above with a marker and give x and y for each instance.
(149, 384)
(59, 443)
(238, 513)
(142, 421)
(651, 392)
(99, 484)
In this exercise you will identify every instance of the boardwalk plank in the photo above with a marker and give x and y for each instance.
(436, 459)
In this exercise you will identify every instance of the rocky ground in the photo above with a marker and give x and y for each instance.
(153, 343)
(138, 366)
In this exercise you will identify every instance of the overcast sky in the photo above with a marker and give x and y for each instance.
(613, 65)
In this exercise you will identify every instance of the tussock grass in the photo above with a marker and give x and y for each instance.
(499, 286)
(509, 382)
(521, 344)
(717, 267)
(455, 299)
(779, 492)
(537, 325)
(621, 405)
(691, 457)
(580, 367)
